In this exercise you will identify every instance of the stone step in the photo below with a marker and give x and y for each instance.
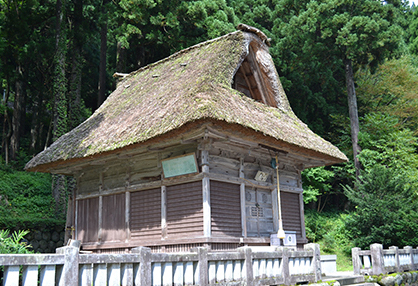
(347, 280)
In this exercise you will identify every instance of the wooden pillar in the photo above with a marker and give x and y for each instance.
(163, 212)
(100, 216)
(127, 216)
(302, 215)
(206, 195)
(100, 219)
(242, 199)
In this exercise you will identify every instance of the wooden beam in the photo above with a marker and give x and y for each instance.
(257, 75)
(248, 83)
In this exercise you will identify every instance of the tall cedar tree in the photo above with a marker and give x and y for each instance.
(60, 103)
(354, 32)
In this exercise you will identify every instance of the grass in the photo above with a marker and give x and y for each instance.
(328, 230)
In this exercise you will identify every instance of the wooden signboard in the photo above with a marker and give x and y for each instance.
(181, 165)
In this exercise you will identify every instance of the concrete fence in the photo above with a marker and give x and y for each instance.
(381, 261)
(246, 266)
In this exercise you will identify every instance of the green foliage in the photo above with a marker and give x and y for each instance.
(391, 88)
(313, 40)
(316, 182)
(12, 243)
(25, 198)
(328, 229)
(386, 143)
(385, 208)
(160, 28)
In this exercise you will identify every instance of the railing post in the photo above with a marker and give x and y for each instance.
(69, 276)
(411, 257)
(378, 264)
(397, 264)
(248, 265)
(285, 265)
(202, 253)
(316, 260)
(143, 278)
(355, 256)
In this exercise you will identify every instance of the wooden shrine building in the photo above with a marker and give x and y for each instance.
(170, 159)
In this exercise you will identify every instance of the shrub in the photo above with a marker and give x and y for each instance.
(385, 209)
(13, 243)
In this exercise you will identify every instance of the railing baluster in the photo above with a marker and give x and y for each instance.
(11, 276)
(178, 273)
(113, 274)
(85, 276)
(156, 274)
(99, 274)
(47, 275)
(30, 275)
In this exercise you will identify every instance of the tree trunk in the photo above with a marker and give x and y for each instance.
(353, 113)
(7, 128)
(17, 114)
(121, 59)
(34, 129)
(60, 107)
(74, 110)
(102, 72)
(74, 106)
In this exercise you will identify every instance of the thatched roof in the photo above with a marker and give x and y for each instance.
(190, 86)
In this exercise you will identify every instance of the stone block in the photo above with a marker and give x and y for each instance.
(55, 237)
(38, 235)
(46, 235)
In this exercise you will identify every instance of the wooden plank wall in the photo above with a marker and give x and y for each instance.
(145, 215)
(225, 209)
(113, 218)
(184, 210)
(291, 212)
(88, 220)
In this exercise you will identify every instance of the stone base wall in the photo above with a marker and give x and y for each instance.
(47, 239)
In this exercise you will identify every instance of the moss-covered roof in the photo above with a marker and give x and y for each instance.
(189, 86)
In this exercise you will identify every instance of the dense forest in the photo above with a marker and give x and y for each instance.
(349, 68)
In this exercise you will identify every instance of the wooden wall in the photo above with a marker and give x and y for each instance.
(185, 210)
(127, 200)
(145, 215)
(225, 209)
(88, 220)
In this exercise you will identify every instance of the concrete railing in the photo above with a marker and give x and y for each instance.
(247, 265)
(381, 261)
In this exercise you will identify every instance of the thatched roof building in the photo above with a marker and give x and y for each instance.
(180, 154)
(178, 94)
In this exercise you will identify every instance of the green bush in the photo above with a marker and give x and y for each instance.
(385, 209)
